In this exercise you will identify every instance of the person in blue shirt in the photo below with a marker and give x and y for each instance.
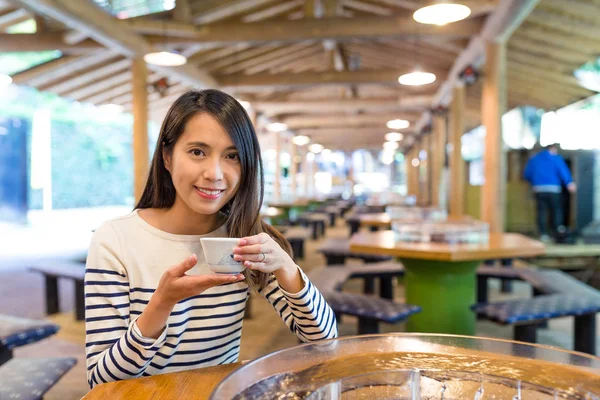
(547, 172)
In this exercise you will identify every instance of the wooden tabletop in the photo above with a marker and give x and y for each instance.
(501, 245)
(375, 219)
(271, 212)
(196, 384)
(288, 204)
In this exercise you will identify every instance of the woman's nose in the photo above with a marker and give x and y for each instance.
(213, 170)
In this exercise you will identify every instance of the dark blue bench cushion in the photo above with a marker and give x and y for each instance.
(30, 378)
(370, 307)
(538, 308)
(557, 282)
(499, 272)
(15, 332)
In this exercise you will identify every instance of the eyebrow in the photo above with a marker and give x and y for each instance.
(202, 144)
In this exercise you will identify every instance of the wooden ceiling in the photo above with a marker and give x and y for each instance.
(327, 68)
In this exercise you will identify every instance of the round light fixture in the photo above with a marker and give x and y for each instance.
(165, 58)
(325, 152)
(390, 146)
(277, 127)
(300, 140)
(398, 124)
(393, 137)
(415, 162)
(442, 13)
(417, 78)
(5, 80)
(315, 148)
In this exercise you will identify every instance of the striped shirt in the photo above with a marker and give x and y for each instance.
(126, 259)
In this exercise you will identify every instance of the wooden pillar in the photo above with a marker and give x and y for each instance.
(493, 106)
(424, 180)
(457, 165)
(140, 126)
(410, 173)
(293, 170)
(277, 177)
(305, 172)
(437, 157)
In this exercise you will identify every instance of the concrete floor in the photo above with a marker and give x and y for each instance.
(22, 295)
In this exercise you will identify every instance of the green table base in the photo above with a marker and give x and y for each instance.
(445, 291)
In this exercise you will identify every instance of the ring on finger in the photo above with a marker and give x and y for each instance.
(264, 256)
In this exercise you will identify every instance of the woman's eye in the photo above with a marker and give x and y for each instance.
(196, 152)
(233, 156)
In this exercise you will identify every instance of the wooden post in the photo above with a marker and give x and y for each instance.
(305, 173)
(493, 106)
(436, 159)
(410, 190)
(293, 170)
(140, 126)
(457, 165)
(277, 177)
(424, 168)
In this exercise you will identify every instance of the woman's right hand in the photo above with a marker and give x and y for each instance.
(174, 286)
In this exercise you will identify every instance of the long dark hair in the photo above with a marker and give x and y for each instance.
(243, 210)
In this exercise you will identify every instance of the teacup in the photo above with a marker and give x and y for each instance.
(219, 255)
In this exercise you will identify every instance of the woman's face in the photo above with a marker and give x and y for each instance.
(204, 166)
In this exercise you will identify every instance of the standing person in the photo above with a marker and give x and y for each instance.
(147, 311)
(547, 172)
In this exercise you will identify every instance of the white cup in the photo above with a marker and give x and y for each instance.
(219, 255)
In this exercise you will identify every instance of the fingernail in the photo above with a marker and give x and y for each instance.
(237, 257)
(247, 263)
(236, 250)
(233, 278)
(192, 257)
(242, 242)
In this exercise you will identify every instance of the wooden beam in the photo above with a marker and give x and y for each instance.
(312, 121)
(90, 19)
(42, 42)
(97, 74)
(140, 126)
(565, 24)
(367, 7)
(61, 68)
(227, 10)
(558, 38)
(183, 11)
(408, 103)
(299, 30)
(493, 194)
(499, 26)
(13, 17)
(437, 158)
(272, 54)
(308, 79)
(457, 165)
(272, 11)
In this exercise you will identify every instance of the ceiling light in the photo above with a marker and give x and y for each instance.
(5, 80)
(315, 148)
(300, 140)
(393, 137)
(165, 58)
(442, 13)
(415, 162)
(326, 153)
(391, 145)
(417, 78)
(277, 127)
(398, 124)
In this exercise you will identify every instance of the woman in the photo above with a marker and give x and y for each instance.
(148, 312)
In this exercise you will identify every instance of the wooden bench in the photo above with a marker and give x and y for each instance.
(370, 310)
(16, 331)
(526, 315)
(386, 272)
(486, 272)
(297, 236)
(31, 378)
(336, 251)
(556, 294)
(52, 271)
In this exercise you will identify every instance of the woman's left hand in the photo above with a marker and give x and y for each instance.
(260, 252)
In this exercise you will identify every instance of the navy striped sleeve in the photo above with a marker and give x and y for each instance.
(306, 313)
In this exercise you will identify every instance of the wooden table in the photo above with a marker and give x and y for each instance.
(192, 384)
(441, 277)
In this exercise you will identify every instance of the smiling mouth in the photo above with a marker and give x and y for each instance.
(210, 192)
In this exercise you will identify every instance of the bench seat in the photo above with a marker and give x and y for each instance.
(31, 378)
